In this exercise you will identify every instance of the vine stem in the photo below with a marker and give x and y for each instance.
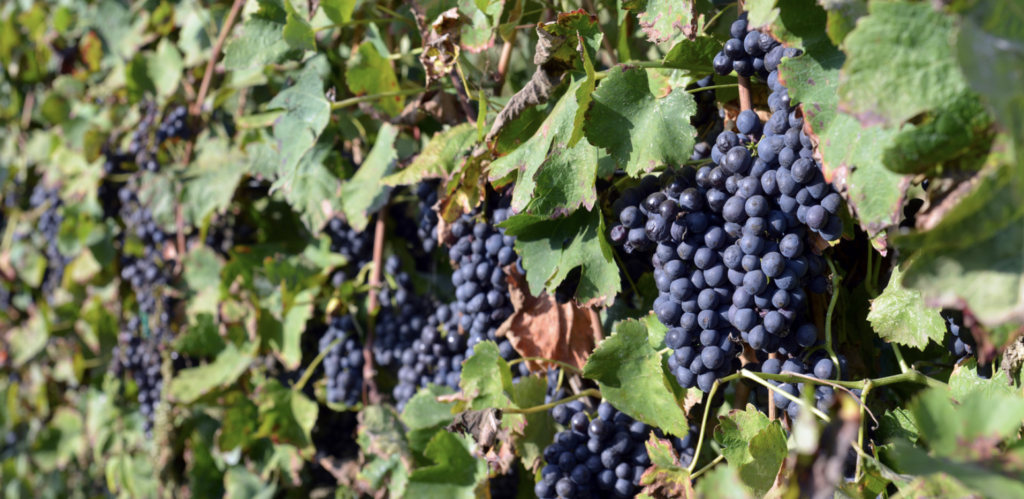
(867, 279)
(712, 87)
(828, 316)
(506, 56)
(908, 377)
(703, 425)
(372, 97)
(707, 467)
(563, 365)
(369, 385)
(204, 87)
(749, 375)
(629, 278)
(899, 357)
(299, 385)
(589, 392)
(860, 431)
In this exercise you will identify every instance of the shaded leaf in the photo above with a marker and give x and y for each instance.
(454, 474)
(693, 55)
(338, 11)
(540, 426)
(262, 39)
(287, 416)
(583, 244)
(424, 415)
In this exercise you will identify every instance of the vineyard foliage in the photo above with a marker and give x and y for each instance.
(511, 248)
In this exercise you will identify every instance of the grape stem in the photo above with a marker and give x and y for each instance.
(568, 367)
(299, 385)
(860, 431)
(899, 357)
(704, 422)
(372, 97)
(907, 377)
(715, 18)
(589, 392)
(707, 467)
(797, 400)
(711, 87)
(828, 316)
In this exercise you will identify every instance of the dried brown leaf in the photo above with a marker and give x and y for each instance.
(441, 45)
(540, 327)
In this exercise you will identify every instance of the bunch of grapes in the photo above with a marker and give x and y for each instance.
(426, 226)
(227, 231)
(731, 243)
(48, 226)
(480, 253)
(146, 272)
(818, 366)
(355, 246)
(137, 354)
(708, 120)
(747, 53)
(343, 363)
(601, 457)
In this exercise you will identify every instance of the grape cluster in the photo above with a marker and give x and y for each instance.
(355, 246)
(748, 53)
(148, 271)
(137, 354)
(48, 226)
(481, 292)
(343, 363)
(600, 457)
(145, 149)
(426, 226)
(227, 231)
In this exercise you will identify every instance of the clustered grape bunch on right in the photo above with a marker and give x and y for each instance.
(733, 241)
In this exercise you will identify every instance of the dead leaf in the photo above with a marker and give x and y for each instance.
(540, 327)
(441, 45)
(482, 425)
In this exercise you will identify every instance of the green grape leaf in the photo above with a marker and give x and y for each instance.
(637, 128)
(60, 441)
(987, 50)
(899, 315)
(283, 336)
(200, 338)
(486, 383)
(722, 483)
(364, 194)
(438, 159)
(754, 446)
(381, 433)
(307, 112)
(240, 421)
(338, 11)
(262, 40)
(961, 127)
(900, 63)
(583, 244)
(989, 480)
(937, 421)
(665, 477)
(965, 381)
(212, 179)
(540, 426)
(298, 33)
(897, 423)
(853, 162)
(987, 277)
(761, 13)
(424, 416)
(312, 189)
(369, 72)
(693, 55)
(287, 416)
(630, 375)
(455, 473)
(202, 269)
(552, 178)
(583, 96)
(239, 483)
(842, 17)
(164, 66)
(812, 78)
(662, 20)
(192, 383)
